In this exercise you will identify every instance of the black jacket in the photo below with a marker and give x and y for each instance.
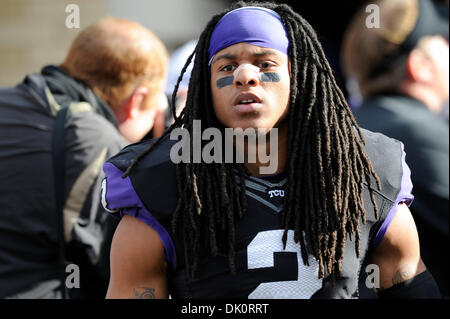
(426, 139)
(28, 231)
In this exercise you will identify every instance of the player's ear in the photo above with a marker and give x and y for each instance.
(289, 67)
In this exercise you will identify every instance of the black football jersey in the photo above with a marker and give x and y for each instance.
(264, 268)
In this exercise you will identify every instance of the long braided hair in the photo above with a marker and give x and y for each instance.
(327, 165)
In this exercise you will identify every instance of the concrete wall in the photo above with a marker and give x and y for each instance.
(34, 32)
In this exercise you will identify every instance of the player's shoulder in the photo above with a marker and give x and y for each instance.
(387, 156)
(160, 153)
(380, 144)
(150, 184)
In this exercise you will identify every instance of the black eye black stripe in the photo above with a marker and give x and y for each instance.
(228, 80)
(270, 77)
(265, 77)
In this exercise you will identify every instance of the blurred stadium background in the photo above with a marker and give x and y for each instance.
(33, 32)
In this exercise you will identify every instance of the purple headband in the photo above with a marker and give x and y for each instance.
(253, 25)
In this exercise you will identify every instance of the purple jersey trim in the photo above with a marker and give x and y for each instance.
(403, 196)
(120, 195)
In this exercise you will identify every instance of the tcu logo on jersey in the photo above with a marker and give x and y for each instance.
(276, 192)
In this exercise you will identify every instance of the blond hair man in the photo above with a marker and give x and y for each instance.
(110, 88)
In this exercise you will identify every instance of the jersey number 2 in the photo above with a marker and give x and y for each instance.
(260, 254)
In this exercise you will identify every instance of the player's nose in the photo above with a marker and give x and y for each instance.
(246, 76)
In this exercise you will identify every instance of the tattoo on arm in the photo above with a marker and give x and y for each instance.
(403, 273)
(143, 293)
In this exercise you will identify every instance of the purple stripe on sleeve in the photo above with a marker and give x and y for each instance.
(403, 196)
(120, 194)
(117, 192)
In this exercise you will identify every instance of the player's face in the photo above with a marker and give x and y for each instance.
(250, 86)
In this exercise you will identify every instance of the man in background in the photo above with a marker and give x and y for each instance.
(402, 71)
(177, 61)
(111, 84)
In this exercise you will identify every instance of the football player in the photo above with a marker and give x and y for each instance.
(338, 199)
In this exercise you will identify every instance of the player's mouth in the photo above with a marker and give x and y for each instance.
(247, 103)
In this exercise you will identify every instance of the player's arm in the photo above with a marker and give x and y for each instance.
(138, 268)
(402, 272)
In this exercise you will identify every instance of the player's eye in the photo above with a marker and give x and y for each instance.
(228, 68)
(264, 65)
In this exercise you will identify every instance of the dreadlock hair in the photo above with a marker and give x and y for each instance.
(327, 164)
